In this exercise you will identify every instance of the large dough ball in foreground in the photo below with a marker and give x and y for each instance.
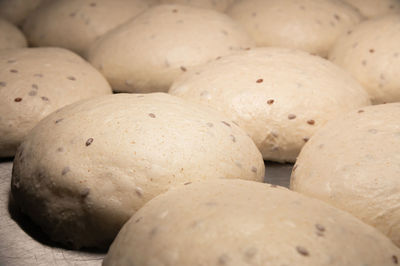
(353, 163)
(83, 171)
(76, 24)
(16, 11)
(279, 96)
(10, 36)
(308, 25)
(235, 222)
(34, 82)
(371, 53)
(375, 8)
(220, 5)
(149, 52)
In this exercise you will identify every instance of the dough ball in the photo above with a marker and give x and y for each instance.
(371, 53)
(16, 11)
(309, 25)
(10, 36)
(83, 171)
(149, 52)
(353, 163)
(220, 5)
(34, 82)
(375, 8)
(280, 97)
(235, 222)
(76, 24)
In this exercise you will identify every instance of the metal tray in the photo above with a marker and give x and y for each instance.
(23, 244)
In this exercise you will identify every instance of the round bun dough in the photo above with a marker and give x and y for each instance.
(220, 5)
(353, 163)
(149, 52)
(278, 96)
(235, 222)
(375, 8)
(309, 25)
(34, 82)
(371, 53)
(16, 11)
(99, 161)
(76, 24)
(10, 36)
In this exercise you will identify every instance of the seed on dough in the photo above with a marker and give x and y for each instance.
(152, 115)
(371, 51)
(320, 227)
(60, 149)
(174, 10)
(44, 98)
(311, 122)
(233, 138)
(254, 169)
(138, 220)
(360, 111)
(89, 141)
(2, 84)
(226, 123)
(337, 17)
(13, 71)
(302, 251)
(139, 191)
(59, 120)
(259, 80)
(71, 78)
(18, 99)
(395, 260)
(291, 116)
(306, 139)
(183, 69)
(93, 4)
(187, 183)
(270, 101)
(34, 86)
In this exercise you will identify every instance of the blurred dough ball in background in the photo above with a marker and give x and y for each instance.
(75, 24)
(353, 163)
(98, 161)
(309, 25)
(374, 8)
(16, 11)
(238, 223)
(279, 96)
(34, 82)
(371, 53)
(220, 5)
(149, 52)
(10, 36)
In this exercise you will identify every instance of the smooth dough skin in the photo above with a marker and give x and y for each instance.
(149, 52)
(308, 25)
(371, 53)
(84, 170)
(16, 11)
(34, 82)
(10, 36)
(353, 163)
(375, 8)
(220, 5)
(76, 24)
(240, 223)
(278, 96)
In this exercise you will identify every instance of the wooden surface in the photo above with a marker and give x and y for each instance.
(23, 244)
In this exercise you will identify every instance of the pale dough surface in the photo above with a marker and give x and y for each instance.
(353, 163)
(35, 82)
(309, 25)
(375, 8)
(220, 5)
(16, 11)
(83, 171)
(148, 53)
(10, 36)
(371, 53)
(279, 96)
(240, 223)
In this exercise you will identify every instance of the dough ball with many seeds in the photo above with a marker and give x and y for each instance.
(374, 8)
(353, 163)
(76, 24)
(236, 222)
(34, 82)
(220, 5)
(279, 96)
(308, 25)
(371, 53)
(149, 52)
(16, 11)
(84, 170)
(10, 36)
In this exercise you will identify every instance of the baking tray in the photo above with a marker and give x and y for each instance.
(23, 244)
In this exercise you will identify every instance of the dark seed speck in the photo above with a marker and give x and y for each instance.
(311, 122)
(254, 169)
(44, 98)
(259, 80)
(226, 123)
(183, 69)
(2, 84)
(65, 170)
(17, 99)
(14, 71)
(89, 141)
(270, 101)
(395, 259)
(152, 115)
(302, 251)
(71, 78)
(291, 116)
